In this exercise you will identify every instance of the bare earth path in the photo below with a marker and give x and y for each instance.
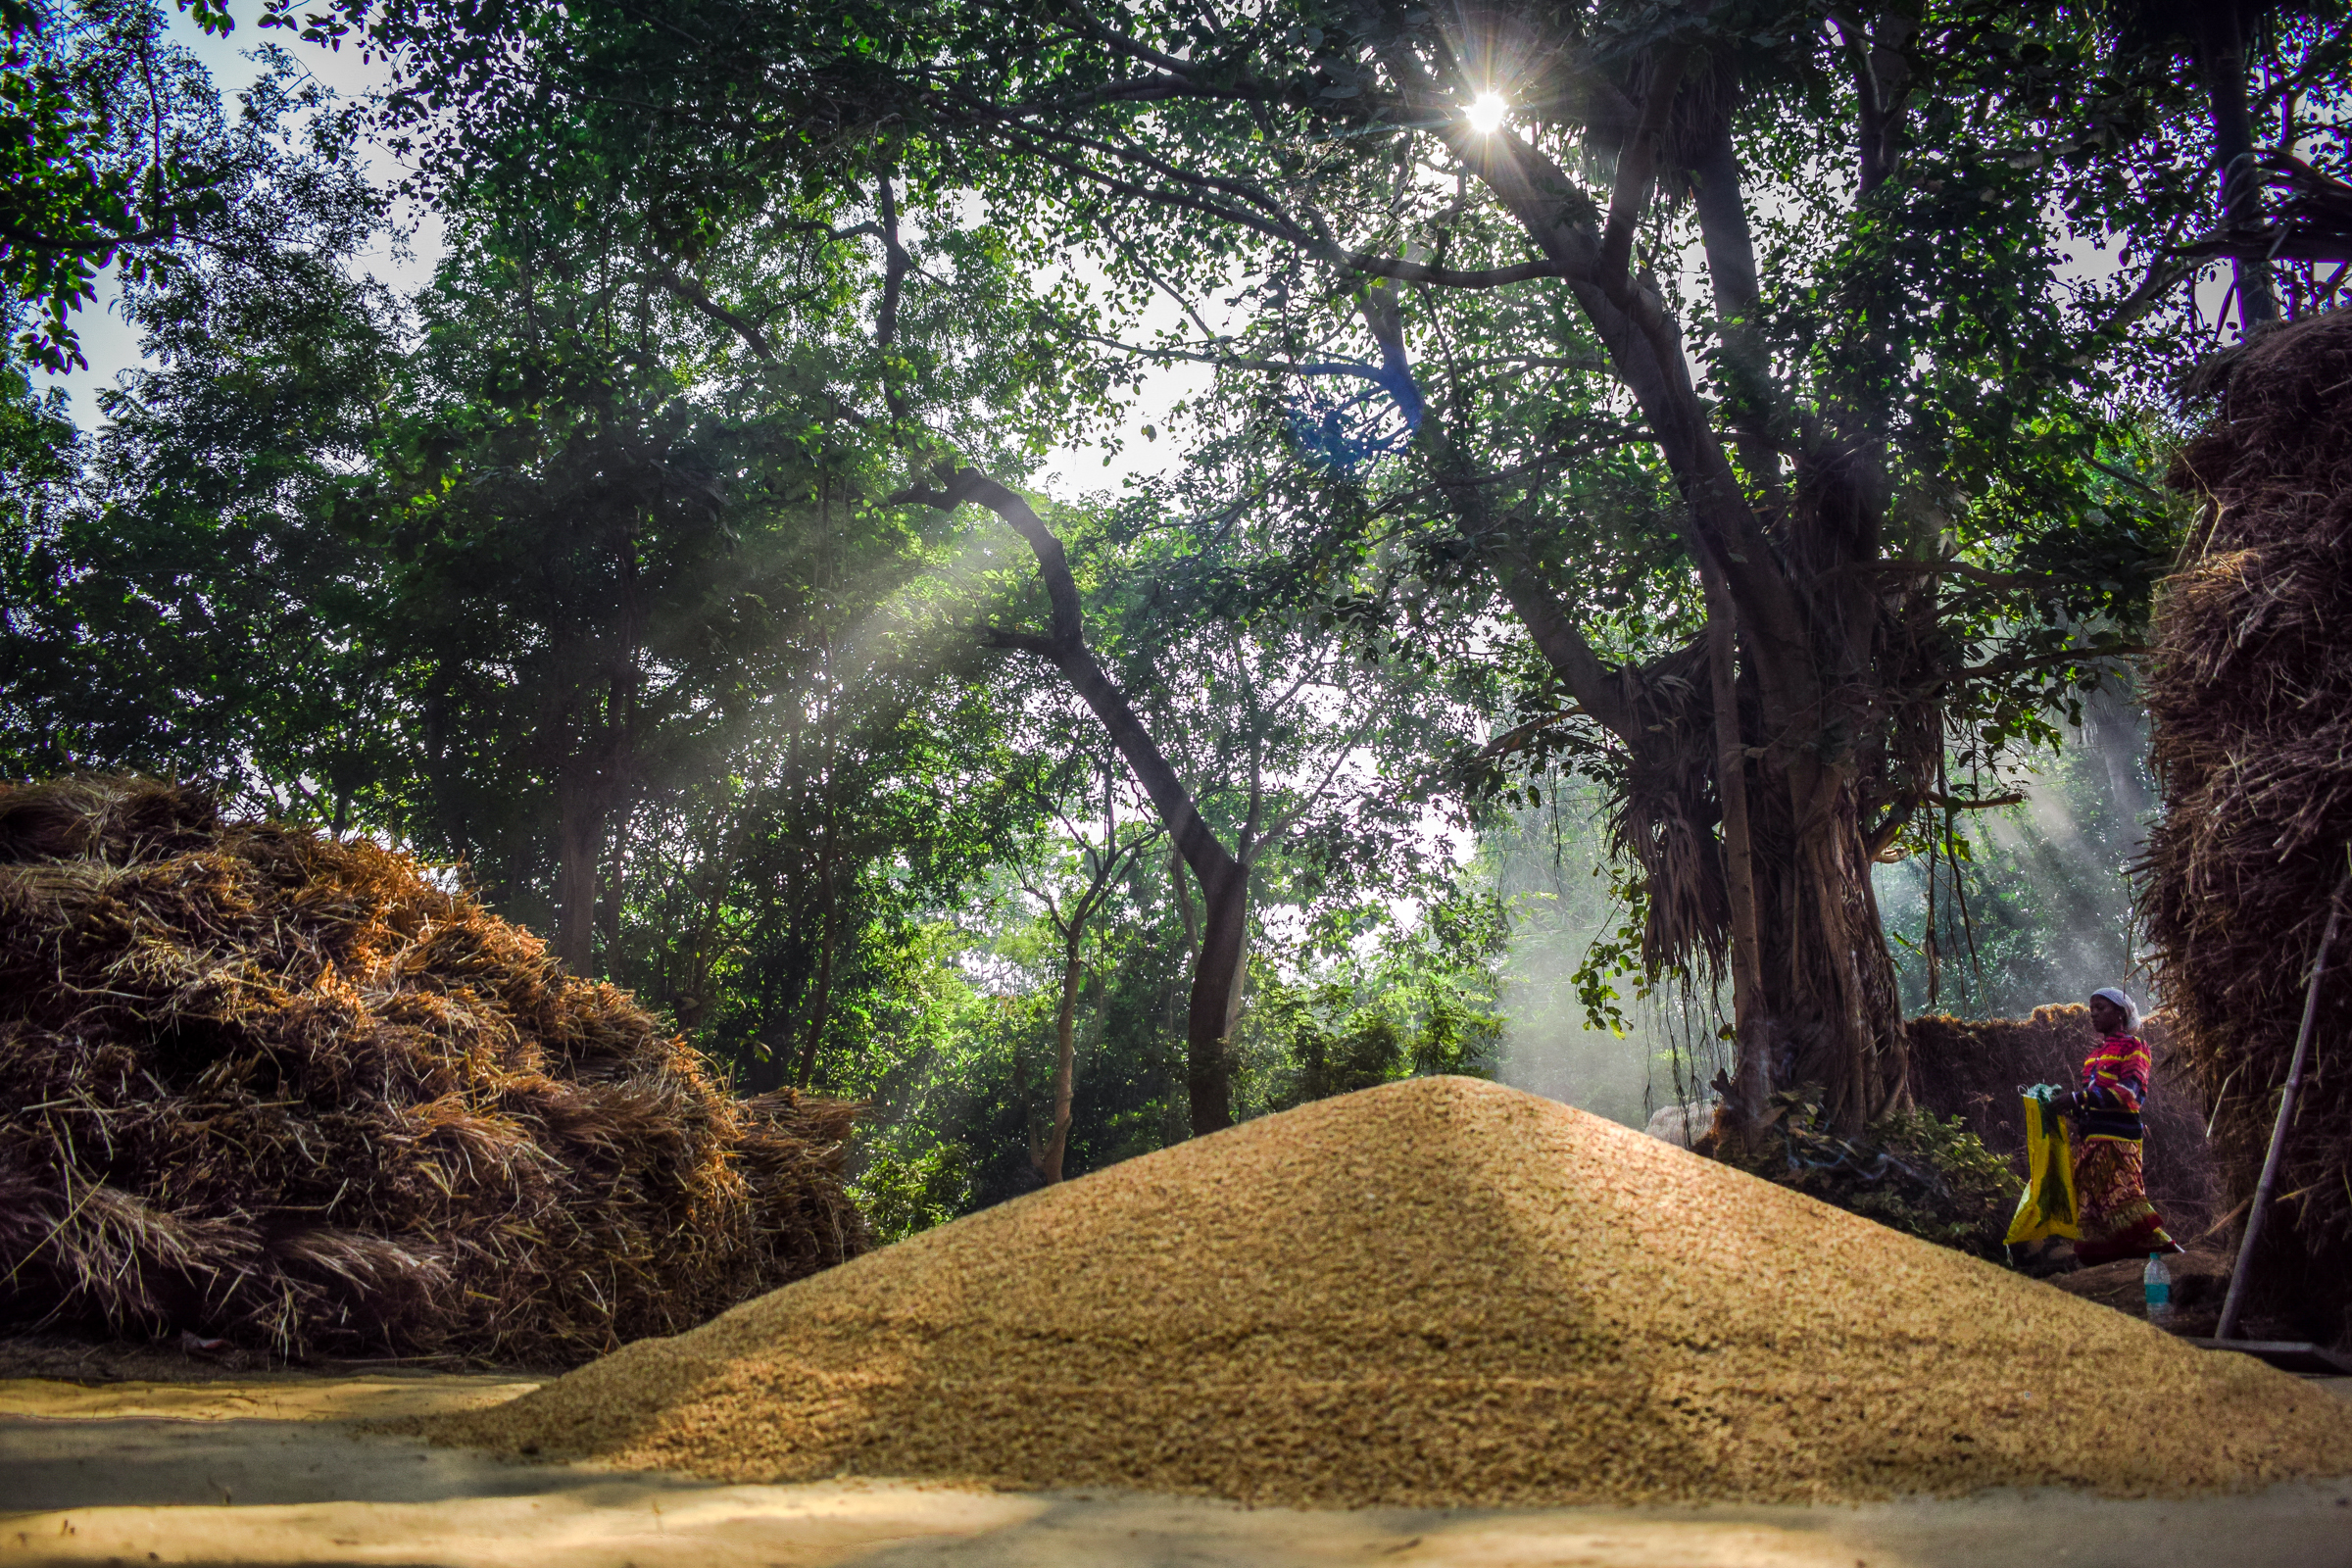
(275, 1471)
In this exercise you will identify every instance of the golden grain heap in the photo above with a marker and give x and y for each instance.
(1433, 1292)
(261, 1083)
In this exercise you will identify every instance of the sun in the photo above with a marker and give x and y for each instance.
(1485, 115)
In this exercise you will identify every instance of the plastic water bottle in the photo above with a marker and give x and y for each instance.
(2156, 1284)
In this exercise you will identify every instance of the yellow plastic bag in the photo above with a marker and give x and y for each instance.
(2046, 1207)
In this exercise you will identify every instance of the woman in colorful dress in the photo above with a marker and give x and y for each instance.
(2118, 1220)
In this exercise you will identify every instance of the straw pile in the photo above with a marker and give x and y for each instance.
(273, 1088)
(2250, 694)
(1437, 1291)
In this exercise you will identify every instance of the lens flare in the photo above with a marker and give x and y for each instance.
(1485, 115)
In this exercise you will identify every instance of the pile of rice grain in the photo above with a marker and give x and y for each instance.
(1438, 1291)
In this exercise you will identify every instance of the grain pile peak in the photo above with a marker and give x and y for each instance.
(304, 1095)
(1438, 1291)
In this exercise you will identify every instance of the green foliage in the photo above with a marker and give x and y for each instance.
(584, 565)
(2000, 911)
(901, 1196)
(1912, 1171)
(1422, 1001)
(184, 605)
(1613, 957)
(38, 448)
(108, 152)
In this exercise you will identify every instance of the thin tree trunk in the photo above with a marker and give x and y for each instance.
(1730, 246)
(1241, 970)
(2222, 61)
(579, 857)
(1751, 1062)
(1021, 1101)
(1184, 900)
(1223, 880)
(820, 1007)
(1066, 1056)
(610, 892)
(1209, 1066)
(765, 1073)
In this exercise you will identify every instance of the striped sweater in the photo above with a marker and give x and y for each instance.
(2115, 1088)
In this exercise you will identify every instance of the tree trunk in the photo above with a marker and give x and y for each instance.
(765, 1075)
(1224, 880)
(2222, 61)
(1065, 1057)
(611, 888)
(821, 1005)
(579, 859)
(1745, 369)
(1234, 996)
(1828, 984)
(1216, 978)
(1751, 1060)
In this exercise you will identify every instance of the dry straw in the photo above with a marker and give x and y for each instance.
(261, 1083)
(1432, 1292)
(2250, 693)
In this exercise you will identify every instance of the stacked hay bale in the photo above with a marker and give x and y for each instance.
(1435, 1293)
(2250, 694)
(266, 1085)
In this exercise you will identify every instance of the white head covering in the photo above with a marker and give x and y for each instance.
(2131, 1008)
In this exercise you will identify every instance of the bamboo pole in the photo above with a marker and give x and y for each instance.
(2236, 1298)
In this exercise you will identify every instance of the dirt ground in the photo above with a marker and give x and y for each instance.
(278, 1468)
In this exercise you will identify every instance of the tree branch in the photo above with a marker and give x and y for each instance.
(693, 294)
(1065, 647)
(1959, 803)
(1638, 162)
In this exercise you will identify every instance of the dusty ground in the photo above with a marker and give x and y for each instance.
(275, 1469)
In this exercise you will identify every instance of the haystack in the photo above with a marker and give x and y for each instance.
(1437, 1291)
(300, 1095)
(2250, 694)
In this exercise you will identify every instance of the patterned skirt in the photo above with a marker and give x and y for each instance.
(2118, 1220)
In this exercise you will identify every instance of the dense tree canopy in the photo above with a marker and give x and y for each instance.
(1736, 419)
(1748, 359)
(104, 153)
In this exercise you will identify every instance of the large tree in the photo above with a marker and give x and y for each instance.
(1792, 524)
(1233, 721)
(181, 602)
